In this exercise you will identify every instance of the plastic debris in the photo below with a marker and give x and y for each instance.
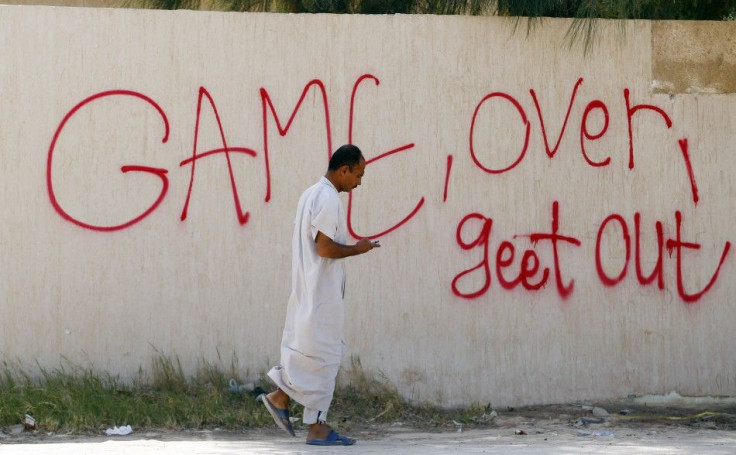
(240, 388)
(487, 416)
(119, 431)
(29, 422)
(520, 432)
(459, 426)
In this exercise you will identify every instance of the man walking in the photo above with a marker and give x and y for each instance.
(312, 344)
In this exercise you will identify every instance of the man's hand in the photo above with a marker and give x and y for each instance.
(365, 245)
(327, 248)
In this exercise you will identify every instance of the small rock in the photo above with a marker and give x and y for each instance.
(16, 429)
(520, 432)
(585, 407)
(600, 412)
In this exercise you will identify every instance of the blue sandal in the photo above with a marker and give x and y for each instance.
(333, 439)
(280, 416)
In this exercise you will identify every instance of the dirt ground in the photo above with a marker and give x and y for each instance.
(607, 428)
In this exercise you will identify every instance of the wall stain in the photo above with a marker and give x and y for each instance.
(693, 57)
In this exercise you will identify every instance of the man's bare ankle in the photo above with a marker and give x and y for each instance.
(319, 430)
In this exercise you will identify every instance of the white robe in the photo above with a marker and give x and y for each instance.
(312, 344)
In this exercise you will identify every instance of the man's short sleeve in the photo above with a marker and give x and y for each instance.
(325, 215)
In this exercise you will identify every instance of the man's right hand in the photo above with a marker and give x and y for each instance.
(327, 248)
(365, 245)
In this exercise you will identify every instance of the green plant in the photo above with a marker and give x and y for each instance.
(72, 398)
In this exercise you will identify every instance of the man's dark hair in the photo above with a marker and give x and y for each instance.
(347, 154)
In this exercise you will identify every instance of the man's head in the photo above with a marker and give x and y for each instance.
(346, 168)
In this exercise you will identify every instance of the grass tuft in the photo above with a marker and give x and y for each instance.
(78, 400)
(73, 399)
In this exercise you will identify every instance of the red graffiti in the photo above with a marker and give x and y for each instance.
(686, 156)
(551, 152)
(368, 161)
(554, 237)
(505, 258)
(524, 121)
(447, 178)
(242, 216)
(677, 244)
(530, 262)
(657, 272)
(584, 133)
(160, 173)
(513, 267)
(483, 239)
(266, 101)
(630, 111)
(605, 279)
(226, 149)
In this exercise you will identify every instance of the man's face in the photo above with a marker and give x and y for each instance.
(351, 179)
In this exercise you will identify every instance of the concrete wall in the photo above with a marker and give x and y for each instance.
(510, 151)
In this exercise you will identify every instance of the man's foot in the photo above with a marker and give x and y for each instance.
(273, 403)
(321, 434)
(279, 398)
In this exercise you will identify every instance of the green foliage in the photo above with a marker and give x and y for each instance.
(583, 29)
(619, 9)
(581, 9)
(79, 400)
(74, 399)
